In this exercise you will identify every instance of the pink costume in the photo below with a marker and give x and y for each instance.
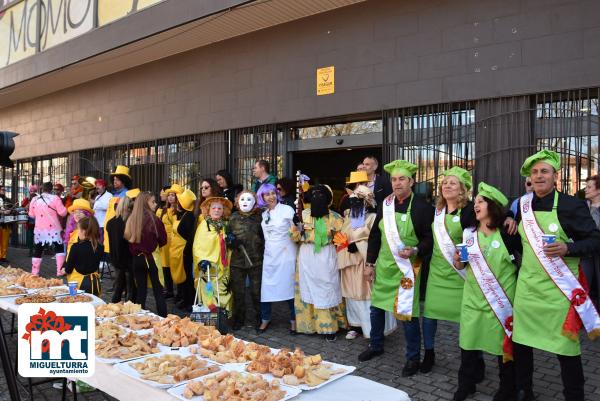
(46, 209)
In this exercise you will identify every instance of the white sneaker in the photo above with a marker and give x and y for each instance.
(351, 335)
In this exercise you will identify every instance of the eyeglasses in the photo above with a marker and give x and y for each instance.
(279, 188)
(205, 187)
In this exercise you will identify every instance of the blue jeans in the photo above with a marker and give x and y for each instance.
(412, 333)
(265, 310)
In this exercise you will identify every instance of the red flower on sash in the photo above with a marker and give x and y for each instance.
(44, 321)
(507, 345)
(573, 322)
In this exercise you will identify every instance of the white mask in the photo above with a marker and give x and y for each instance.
(246, 202)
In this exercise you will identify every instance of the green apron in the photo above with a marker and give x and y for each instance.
(444, 286)
(477, 316)
(387, 274)
(540, 308)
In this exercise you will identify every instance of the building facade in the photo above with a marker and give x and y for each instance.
(178, 89)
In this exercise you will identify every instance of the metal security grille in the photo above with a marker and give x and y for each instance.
(435, 138)
(266, 142)
(567, 122)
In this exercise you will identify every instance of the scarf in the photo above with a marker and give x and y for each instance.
(320, 233)
(219, 226)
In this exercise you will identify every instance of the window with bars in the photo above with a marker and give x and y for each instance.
(567, 122)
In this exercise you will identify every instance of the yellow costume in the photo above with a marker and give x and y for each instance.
(167, 218)
(208, 245)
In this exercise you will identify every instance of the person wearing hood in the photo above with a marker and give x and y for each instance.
(318, 301)
(246, 240)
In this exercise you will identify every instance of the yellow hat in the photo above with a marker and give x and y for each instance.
(227, 205)
(186, 200)
(358, 176)
(121, 170)
(81, 204)
(175, 189)
(133, 193)
(401, 167)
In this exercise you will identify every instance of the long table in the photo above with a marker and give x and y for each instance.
(350, 388)
(112, 382)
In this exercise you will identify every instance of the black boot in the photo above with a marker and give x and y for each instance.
(525, 395)
(410, 368)
(428, 361)
(507, 390)
(466, 374)
(369, 354)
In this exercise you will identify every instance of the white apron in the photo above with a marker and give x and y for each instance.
(319, 276)
(279, 260)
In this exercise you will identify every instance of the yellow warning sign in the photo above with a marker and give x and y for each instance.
(325, 80)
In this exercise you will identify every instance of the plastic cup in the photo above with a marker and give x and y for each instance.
(72, 287)
(548, 239)
(464, 253)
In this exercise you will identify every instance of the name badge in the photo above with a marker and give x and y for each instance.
(495, 244)
(403, 218)
(553, 227)
(456, 219)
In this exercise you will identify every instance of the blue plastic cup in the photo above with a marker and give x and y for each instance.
(464, 253)
(72, 287)
(548, 239)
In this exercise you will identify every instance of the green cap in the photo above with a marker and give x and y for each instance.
(463, 176)
(546, 156)
(492, 193)
(401, 167)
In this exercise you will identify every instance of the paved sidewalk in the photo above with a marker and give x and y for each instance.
(437, 385)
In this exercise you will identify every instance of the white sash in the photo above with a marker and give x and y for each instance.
(487, 282)
(444, 241)
(557, 270)
(406, 289)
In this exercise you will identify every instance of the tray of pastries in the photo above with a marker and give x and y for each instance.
(28, 280)
(232, 385)
(108, 329)
(11, 291)
(175, 332)
(140, 321)
(167, 369)
(113, 310)
(117, 349)
(227, 349)
(35, 299)
(71, 299)
(298, 370)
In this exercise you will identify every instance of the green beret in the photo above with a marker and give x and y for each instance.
(492, 193)
(546, 156)
(463, 176)
(401, 167)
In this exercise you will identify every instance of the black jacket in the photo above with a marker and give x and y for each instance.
(231, 192)
(383, 187)
(119, 246)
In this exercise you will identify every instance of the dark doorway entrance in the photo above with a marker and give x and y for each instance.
(332, 167)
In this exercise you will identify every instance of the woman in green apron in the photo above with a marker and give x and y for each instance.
(84, 258)
(443, 296)
(180, 253)
(488, 294)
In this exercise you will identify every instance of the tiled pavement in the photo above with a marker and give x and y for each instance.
(437, 385)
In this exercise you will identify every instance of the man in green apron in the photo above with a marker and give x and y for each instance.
(544, 318)
(401, 233)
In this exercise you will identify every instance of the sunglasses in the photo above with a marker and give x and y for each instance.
(205, 187)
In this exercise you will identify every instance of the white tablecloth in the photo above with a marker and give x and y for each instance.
(348, 388)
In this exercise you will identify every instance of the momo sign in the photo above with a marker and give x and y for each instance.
(56, 340)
